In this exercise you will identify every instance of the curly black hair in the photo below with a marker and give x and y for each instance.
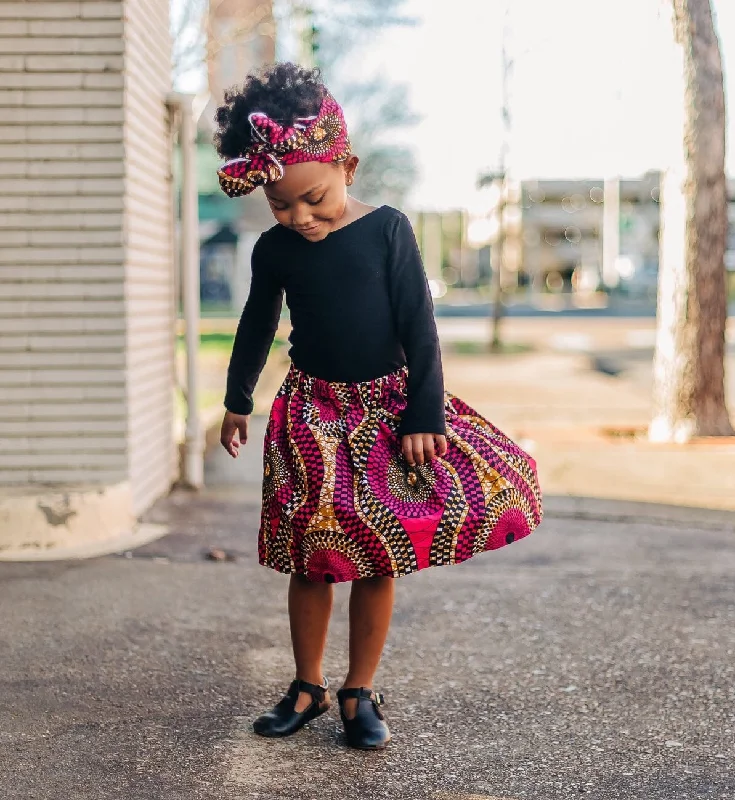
(282, 91)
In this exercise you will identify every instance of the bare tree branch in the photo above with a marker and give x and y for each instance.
(376, 107)
(194, 41)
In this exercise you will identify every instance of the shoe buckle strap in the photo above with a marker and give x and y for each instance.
(317, 692)
(376, 698)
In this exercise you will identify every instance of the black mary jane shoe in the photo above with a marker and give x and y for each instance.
(367, 730)
(284, 720)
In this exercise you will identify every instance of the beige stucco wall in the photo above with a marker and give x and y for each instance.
(86, 305)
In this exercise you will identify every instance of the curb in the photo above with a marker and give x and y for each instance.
(626, 512)
(137, 537)
(45, 523)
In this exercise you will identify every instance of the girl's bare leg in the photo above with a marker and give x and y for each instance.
(309, 609)
(371, 608)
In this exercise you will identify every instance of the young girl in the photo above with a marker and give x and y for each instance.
(371, 472)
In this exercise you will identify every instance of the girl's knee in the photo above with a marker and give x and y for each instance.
(302, 582)
(379, 581)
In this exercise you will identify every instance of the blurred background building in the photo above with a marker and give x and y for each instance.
(556, 236)
(553, 242)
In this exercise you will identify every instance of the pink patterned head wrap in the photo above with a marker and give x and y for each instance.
(321, 138)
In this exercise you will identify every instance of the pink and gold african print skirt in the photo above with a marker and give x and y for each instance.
(340, 502)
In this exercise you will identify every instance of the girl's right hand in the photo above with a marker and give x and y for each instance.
(234, 432)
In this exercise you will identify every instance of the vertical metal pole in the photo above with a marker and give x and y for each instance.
(497, 274)
(611, 231)
(611, 200)
(498, 303)
(432, 236)
(193, 466)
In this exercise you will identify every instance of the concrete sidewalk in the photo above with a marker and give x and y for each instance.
(585, 428)
(587, 431)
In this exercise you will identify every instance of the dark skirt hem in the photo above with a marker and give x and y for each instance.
(404, 574)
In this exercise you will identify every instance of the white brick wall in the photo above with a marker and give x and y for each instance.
(86, 305)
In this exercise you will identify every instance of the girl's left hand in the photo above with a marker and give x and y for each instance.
(420, 448)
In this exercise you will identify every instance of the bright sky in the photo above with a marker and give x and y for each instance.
(591, 91)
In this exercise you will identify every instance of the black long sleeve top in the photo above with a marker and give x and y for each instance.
(360, 308)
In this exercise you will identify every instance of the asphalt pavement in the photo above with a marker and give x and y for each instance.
(594, 658)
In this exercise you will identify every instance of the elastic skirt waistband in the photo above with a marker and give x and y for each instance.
(394, 384)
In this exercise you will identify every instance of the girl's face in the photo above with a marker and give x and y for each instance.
(311, 197)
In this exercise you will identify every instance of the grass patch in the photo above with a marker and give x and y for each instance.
(217, 340)
(219, 343)
(483, 348)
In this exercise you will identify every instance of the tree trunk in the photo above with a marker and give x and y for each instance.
(689, 365)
